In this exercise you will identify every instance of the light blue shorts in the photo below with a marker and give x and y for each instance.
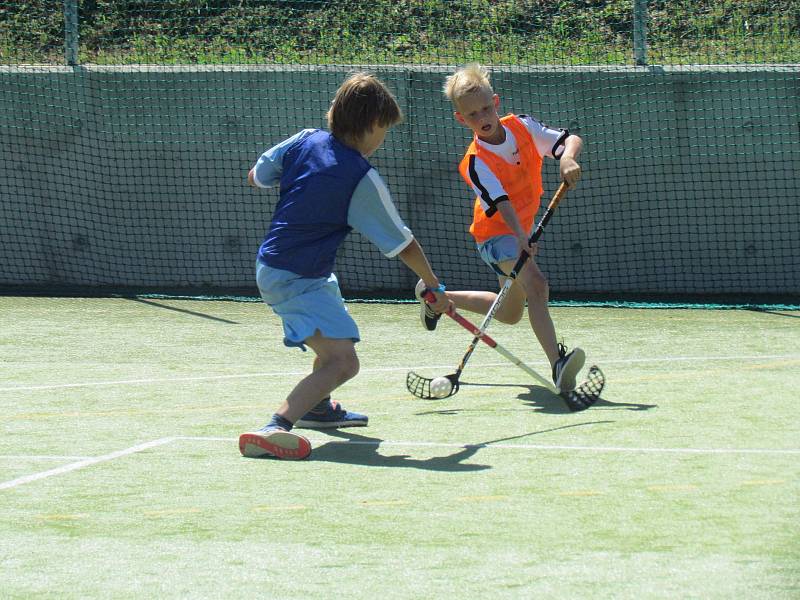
(499, 249)
(305, 305)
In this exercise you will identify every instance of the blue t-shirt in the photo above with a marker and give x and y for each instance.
(326, 189)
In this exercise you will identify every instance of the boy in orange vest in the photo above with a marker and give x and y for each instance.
(503, 166)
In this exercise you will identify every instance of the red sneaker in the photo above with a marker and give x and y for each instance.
(274, 442)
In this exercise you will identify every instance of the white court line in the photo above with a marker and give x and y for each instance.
(529, 446)
(168, 440)
(668, 359)
(40, 457)
(175, 379)
(83, 463)
(628, 361)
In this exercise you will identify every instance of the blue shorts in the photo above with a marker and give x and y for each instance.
(497, 249)
(305, 305)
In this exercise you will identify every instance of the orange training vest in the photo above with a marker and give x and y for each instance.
(522, 182)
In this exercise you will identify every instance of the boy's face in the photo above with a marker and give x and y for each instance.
(373, 139)
(478, 111)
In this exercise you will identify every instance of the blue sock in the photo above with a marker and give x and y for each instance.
(279, 421)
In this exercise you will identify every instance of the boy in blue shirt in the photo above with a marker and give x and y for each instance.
(327, 188)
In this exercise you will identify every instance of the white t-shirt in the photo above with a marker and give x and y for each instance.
(549, 143)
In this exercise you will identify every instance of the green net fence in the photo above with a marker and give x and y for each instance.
(127, 129)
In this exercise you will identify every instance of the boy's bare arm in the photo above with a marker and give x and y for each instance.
(510, 217)
(415, 259)
(568, 163)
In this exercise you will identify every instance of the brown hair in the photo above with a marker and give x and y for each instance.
(360, 103)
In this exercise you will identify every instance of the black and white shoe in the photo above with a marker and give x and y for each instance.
(427, 315)
(567, 367)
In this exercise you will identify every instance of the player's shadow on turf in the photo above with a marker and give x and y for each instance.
(363, 450)
(540, 399)
(182, 310)
(543, 400)
(779, 313)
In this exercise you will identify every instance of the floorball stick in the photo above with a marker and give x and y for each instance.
(421, 386)
(581, 398)
(523, 258)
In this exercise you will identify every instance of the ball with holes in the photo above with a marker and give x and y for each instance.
(441, 387)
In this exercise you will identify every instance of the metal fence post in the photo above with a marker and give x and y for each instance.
(640, 32)
(71, 31)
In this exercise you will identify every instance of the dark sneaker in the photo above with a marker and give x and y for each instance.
(273, 441)
(567, 368)
(332, 416)
(427, 315)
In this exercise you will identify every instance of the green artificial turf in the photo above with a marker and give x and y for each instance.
(682, 482)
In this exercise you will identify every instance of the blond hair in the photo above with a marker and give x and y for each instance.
(360, 103)
(467, 80)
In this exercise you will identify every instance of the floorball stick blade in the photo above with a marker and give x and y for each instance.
(587, 393)
(420, 386)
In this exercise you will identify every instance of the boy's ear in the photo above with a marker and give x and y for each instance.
(459, 118)
(496, 101)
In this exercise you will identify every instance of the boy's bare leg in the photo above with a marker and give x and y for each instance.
(510, 311)
(473, 301)
(336, 362)
(543, 327)
(531, 283)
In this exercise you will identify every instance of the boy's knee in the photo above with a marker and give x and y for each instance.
(348, 366)
(354, 367)
(343, 365)
(510, 315)
(537, 288)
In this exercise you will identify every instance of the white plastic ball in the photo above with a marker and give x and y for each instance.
(441, 387)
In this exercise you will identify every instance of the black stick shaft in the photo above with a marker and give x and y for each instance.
(562, 189)
(524, 256)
